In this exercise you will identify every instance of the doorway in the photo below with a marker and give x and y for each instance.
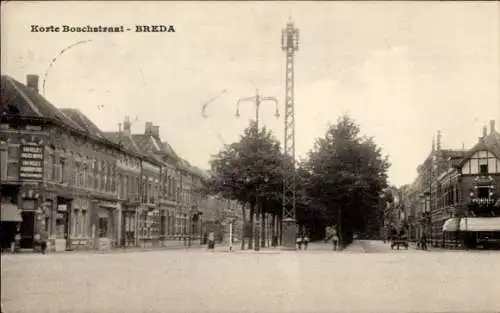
(27, 229)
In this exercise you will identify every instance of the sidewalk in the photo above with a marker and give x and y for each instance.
(173, 245)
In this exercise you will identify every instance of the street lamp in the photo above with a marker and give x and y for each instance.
(257, 100)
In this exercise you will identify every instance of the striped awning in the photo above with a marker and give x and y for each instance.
(479, 224)
(10, 213)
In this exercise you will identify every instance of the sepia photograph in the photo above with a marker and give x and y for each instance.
(250, 156)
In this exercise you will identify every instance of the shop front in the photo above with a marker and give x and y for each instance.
(129, 225)
(104, 230)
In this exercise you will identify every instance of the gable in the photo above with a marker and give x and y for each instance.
(480, 158)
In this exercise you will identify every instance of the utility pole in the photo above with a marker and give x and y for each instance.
(289, 44)
(257, 100)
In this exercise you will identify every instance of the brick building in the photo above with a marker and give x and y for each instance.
(69, 182)
(457, 186)
(86, 189)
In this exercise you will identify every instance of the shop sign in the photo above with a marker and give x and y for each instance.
(62, 208)
(31, 158)
(483, 201)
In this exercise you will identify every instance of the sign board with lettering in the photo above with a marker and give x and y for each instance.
(31, 158)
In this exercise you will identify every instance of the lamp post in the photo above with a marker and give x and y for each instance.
(257, 100)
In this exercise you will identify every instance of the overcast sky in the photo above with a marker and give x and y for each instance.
(403, 70)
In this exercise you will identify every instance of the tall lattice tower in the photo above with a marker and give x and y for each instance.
(289, 44)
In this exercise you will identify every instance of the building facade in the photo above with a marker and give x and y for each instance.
(456, 186)
(87, 189)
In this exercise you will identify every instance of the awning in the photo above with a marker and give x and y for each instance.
(480, 224)
(10, 213)
(451, 224)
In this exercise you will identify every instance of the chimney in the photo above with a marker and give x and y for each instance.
(32, 82)
(492, 127)
(485, 131)
(148, 129)
(155, 131)
(438, 141)
(126, 125)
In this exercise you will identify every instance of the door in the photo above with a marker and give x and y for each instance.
(27, 229)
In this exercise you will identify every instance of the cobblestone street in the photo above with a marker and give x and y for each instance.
(267, 281)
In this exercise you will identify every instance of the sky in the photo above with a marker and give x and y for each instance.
(402, 70)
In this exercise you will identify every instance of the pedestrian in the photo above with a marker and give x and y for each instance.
(211, 241)
(335, 242)
(44, 237)
(299, 242)
(423, 241)
(306, 241)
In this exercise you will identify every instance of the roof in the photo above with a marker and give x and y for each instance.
(19, 99)
(83, 121)
(123, 139)
(491, 143)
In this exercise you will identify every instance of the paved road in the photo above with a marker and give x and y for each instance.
(268, 281)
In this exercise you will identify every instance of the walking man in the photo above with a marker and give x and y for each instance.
(335, 242)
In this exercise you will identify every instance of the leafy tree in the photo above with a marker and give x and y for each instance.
(248, 170)
(347, 175)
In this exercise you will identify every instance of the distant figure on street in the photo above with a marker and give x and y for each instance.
(335, 242)
(423, 242)
(306, 241)
(299, 242)
(211, 241)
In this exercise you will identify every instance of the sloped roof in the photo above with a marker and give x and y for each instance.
(19, 99)
(83, 121)
(123, 139)
(491, 143)
(167, 148)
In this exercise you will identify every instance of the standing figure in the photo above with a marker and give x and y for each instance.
(306, 241)
(335, 242)
(211, 241)
(299, 243)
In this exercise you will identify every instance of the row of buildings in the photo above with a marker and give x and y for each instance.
(88, 189)
(455, 199)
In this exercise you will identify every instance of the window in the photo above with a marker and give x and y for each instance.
(74, 223)
(483, 192)
(483, 168)
(63, 171)
(83, 224)
(48, 165)
(13, 161)
(83, 181)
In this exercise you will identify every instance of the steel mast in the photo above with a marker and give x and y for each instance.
(289, 44)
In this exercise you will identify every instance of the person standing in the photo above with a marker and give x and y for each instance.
(306, 241)
(211, 241)
(335, 242)
(299, 242)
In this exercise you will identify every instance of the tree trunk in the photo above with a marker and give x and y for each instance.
(273, 229)
(251, 219)
(243, 207)
(263, 229)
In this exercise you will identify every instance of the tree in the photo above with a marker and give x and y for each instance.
(347, 175)
(249, 170)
